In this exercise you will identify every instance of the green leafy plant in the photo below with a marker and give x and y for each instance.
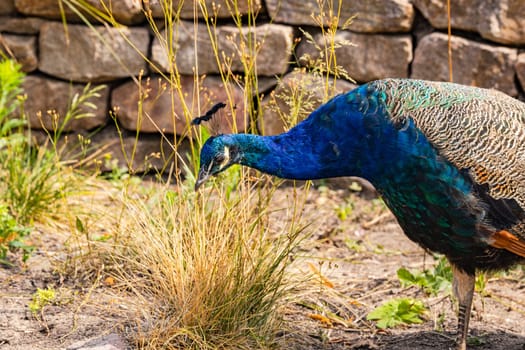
(80, 106)
(117, 172)
(432, 282)
(475, 341)
(345, 210)
(398, 311)
(41, 298)
(33, 179)
(11, 138)
(12, 236)
(481, 283)
(32, 182)
(11, 78)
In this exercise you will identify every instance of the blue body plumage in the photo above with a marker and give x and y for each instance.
(421, 145)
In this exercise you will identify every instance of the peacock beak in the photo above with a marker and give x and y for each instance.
(203, 176)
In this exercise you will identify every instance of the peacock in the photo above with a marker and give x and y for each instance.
(447, 159)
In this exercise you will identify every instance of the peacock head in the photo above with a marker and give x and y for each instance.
(217, 154)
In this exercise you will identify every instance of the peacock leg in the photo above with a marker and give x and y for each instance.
(463, 285)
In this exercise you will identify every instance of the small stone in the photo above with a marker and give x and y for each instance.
(109, 342)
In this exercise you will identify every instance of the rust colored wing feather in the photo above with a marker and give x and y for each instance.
(506, 240)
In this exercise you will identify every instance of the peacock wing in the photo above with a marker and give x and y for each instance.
(480, 130)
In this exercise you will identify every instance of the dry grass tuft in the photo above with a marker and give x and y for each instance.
(204, 270)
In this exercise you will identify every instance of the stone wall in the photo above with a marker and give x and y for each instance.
(389, 38)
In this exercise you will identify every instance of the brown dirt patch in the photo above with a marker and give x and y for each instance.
(363, 277)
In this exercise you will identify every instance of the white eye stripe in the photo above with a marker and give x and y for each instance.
(226, 156)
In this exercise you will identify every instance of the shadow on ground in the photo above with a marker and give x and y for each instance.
(497, 340)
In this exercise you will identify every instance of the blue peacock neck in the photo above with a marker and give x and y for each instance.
(331, 142)
(280, 155)
(293, 155)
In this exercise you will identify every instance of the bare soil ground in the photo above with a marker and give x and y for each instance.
(357, 258)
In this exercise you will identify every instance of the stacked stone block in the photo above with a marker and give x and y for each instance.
(389, 38)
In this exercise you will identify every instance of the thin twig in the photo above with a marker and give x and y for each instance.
(376, 220)
(450, 75)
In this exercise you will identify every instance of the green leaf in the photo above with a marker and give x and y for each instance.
(12, 124)
(398, 311)
(406, 277)
(432, 282)
(80, 225)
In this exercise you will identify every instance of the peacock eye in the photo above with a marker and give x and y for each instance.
(219, 159)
